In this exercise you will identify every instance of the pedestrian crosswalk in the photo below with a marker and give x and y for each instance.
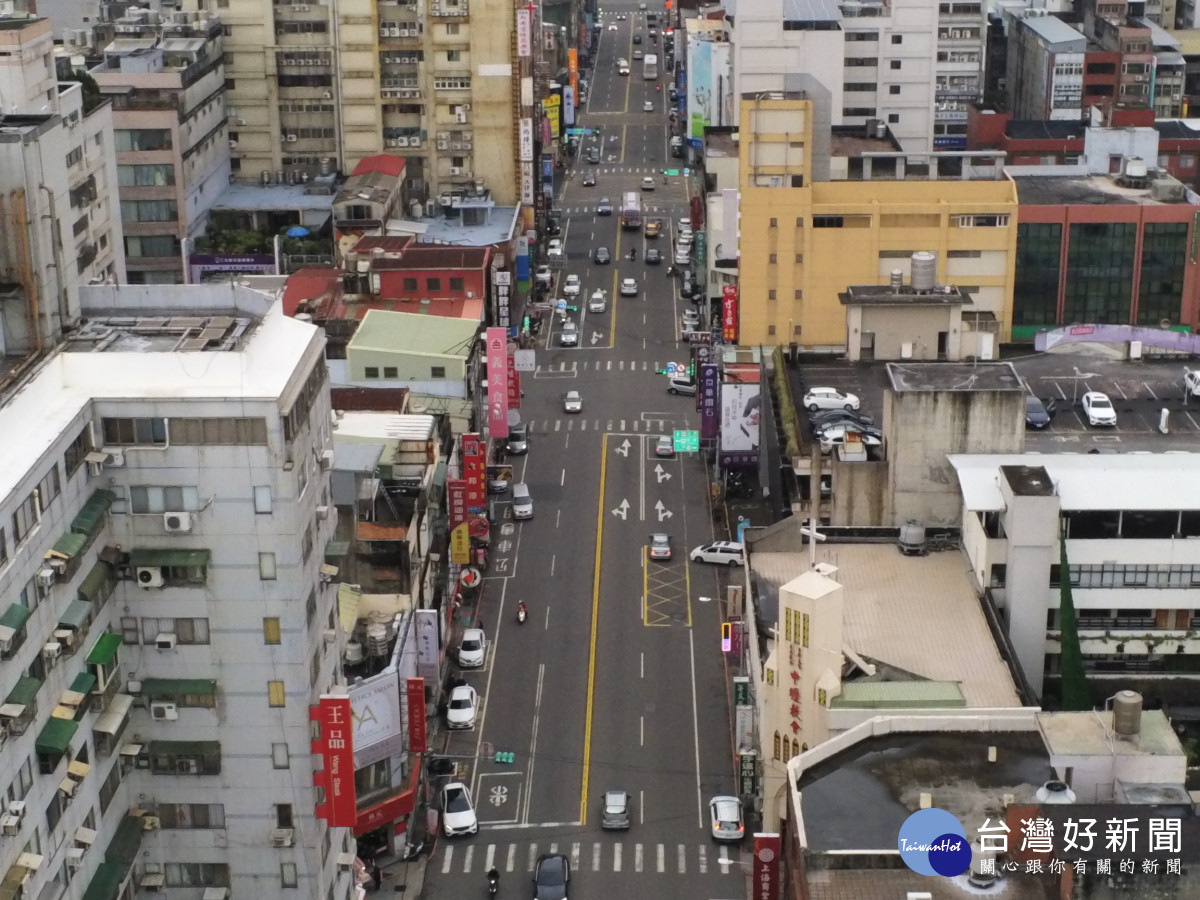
(601, 365)
(618, 426)
(589, 209)
(595, 856)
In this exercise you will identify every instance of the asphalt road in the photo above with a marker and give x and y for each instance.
(616, 680)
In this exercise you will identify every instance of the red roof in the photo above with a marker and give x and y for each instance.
(318, 287)
(388, 244)
(445, 257)
(383, 163)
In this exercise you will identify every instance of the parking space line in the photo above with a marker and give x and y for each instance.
(1150, 390)
(1120, 391)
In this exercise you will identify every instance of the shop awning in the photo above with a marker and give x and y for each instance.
(24, 691)
(158, 556)
(56, 736)
(92, 588)
(10, 887)
(118, 711)
(93, 511)
(178, 687)
(106, 883)
(14, 617)
(123, 848)
(67, 546)
(84, 683)
(104, 650)
(185, 748)
(76, 615)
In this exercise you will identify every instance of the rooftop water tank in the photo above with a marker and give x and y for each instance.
(924, 270)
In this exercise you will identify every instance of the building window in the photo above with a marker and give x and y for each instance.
(1098, 286)
(153, 500)
(895, 64)
(149, 211)
(1035, 290)
(262, 499)
(770, 329)
(433, 284)
(453, 55)
(272, 633)
(827, 222)
(437, 371)
(186, 631)
(77, 450)
(142, 139)
(148, 175)
(224, 432)
(458, 284)
(275, 694)
(452, 28)
(1164, 262)
(858, 111)
(982, 221)
(287, 875)
(773, 259)
(893, 118)
(371, 372)
(185, 758)
(798, 295)
(771, 294)
(75, 157)
(191, 815)
(897, 38)
(893, 89)
(134, 432)
(283, 815)
(196, 874)
(862, 62)
(152, 245)
(774, 223)
(390, 372)
(279, 756)
(799, 258)
(266, 566)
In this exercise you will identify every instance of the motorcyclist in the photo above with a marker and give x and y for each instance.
(521, 609)
(493, 877)
(633, 253)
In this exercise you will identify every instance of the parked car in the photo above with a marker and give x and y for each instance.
(458, 812)
(833, 417)
(462, 707)
(604, 207)
(1191, 383)
(665, 447)
(616, 811)
(727, 821)
(601, 256)
(472, 648)
(554, 249)
(681, 385)
(838, 435)
(691, 317)
(572, 402)
(629, 287)
(572, 286)
(1099, 409)
(660, 545)
(828, 398)
(653, 257)
(682, 256)
(1038, 412)
(568, 335)
(722, 553)
(544, 276)
(597, 303)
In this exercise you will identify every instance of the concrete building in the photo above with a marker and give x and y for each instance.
(166, 82)
(1045, 69)
(1131, 563)
(429, 355)
(165, 621)
(796, 256)
(320, 87)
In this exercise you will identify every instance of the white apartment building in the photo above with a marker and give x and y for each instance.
(915, 65)
(1131, 523)
(164, 624)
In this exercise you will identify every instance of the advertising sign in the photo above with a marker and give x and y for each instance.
(375, 706)
(514, 385)
(729, 313)
(474, 457)
(568, 105)
(766, 867)
(527, 183)
(336, 747)
(428, 663)
(573, 69)
(524, 32)
(460, 544)
(526, 140)
(710, 421)
(699, 87)
(552, 108)
(741, 405)
(456, 493)
(748, 773)
(497, 368)
(417, 735)
(743, 726)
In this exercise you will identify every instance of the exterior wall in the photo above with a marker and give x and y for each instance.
(859, 493)
(1104, 146)
(391, 283)
(27, 72)
(1101, 80)
(918, 326)
(101, 239)
(412, 371)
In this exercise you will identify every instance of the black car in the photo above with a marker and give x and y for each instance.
(604, 207)
(550, 877)
(601, 256)
(1038, 413)
(593, 155)
(589, 180)
(553, 226)
(841, 417)
(653, 257)
(637, 38)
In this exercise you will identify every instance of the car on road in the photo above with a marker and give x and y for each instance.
(612, 27)
(554, 250)
(665, 447)
(828, 398)
(837, 435)
(621, 17)
(518, 440)
(498, 483)
(462, 707)
(572, 286)
(553, 225)
(601, 256)
(593, 155)
(544, 276)
(653, 228)
(647, 106)
(572, 402)
(637, 38)
(589, 180)
(725, 816)
(647, 183)
(1038, 412)
(604, 207)
(629, 287)
(684, 223)
(623, 69)
(637, 54)
(721, 553)
(458, 812)
(472, 649)
(660, 545)
(568, 335)
(691, 317)
(653, 257)
(597, 303)
(682, 256)
(681, 385)
(1099, 409)
(615, 816)
(551, 876)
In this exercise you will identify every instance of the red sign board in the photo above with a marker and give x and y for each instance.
(497, 373)
(766, 867)
(417, 742)
(392, 808)
(336, 747)
(729, 313)
(474, 456)
(514, 385)
(456, 491)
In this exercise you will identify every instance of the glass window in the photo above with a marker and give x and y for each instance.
(142, 139)
(275, 694)
(155, 175)
(1164, 258)
(147, 499)
(266, 566)
(149, 210)
(152, 245)
(262, 499)
(1099, 281)
(272, 634)
(457, 284)
(287, 875)
(433, 284)
(279, 756)
(1035, 291)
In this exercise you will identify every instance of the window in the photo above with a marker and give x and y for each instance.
(452, 83)
(287, 875)
(437, 371)
(156, 245)
(865, 86)
(191, 815)
(799, 221)
(453, 55)
(433, 284)
(275, 694)
(25, 518)
(129, 629)
(862, 61)
(272, 634)
(151, 175)
(186, 631)
(774, 223)
(772, 258)
(895, 64)
(224, 432)
(133, 432)
(390, 372)
(3, 548)
(266, 566)
(77, 450)
(310, 607)
(262, 499)
(163, 499)
(458, 284)
(798, 295)
(893, 89)
(371, 372)
(897, 38)
(279, 756)
(771, 294)
(283, 815)
(410, 284)
(985, 221)
(149, 210)
(827, 222)
(196, 874)
(770, 329)
(853, 111)
(799, 257)
(452, 29)
(75, 157)
(142, 139)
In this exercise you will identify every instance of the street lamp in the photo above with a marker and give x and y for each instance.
(1075, 388)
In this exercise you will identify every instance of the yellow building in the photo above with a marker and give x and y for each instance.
(803, 242)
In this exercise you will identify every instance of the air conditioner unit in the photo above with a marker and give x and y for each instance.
(116, 458)
(68, 787)
(17, 808)
(174, 522)
(456, 145)
(233, 145)
(402, 142)
(282, 837)
(74, 857)
(328, 95)
(404, 32)
(51, 651)
(414, 142)
(443, 145)
(345, 861)
(455, 170)
(322, 512)
(466, 173)
(383, 29)
(292, 138)
(11, 825)
(460, 117)
(149, 576)
(162, 711)
(151, 823)
(45, 577)
(165, 641)
(152, 881)
(393, 29)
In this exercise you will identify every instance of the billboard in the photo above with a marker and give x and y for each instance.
(573, 69)
(568, 105)
(375, 707)
(729, 313)
(525, 32)
(700, 98)
(740, 408)
(710, 387)
(418, 736)
(551, 107)
(336, 747)
(428, 655)
(497, 373)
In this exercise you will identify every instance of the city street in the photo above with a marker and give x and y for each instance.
(616, 680)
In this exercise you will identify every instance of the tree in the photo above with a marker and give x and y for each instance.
(1075, 693)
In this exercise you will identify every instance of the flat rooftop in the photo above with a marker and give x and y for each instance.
(499, 226)
(139, 332)
(1081, 190)
(721, 145)
(1028, 481)
(984, 376)
(886, 295)
(1049, 130)
(1070, 734)
(852, 142)
(272, 196)
(897, 609)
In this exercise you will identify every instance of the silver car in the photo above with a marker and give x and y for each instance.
(616, 811)
(660, 546)
(726, 819)
(572, 402)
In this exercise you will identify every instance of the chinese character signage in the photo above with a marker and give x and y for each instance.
(748, 773)
(497, 375)
(428, 656)
(766, 867)
(335, 746)
(729, 313)
(524, 32)
(573, 69)
(551, 109)
(527, 183)
(415, 694)
(514, 385)
(568, 106)
(526, 135)
(474, 462)
(710, 411)
(456, 493)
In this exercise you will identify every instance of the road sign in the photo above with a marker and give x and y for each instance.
(524, 360)
(670, 171)
(687, 441)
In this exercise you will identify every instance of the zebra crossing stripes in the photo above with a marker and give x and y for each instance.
(599, 365)
(651, 859)
(650, 426)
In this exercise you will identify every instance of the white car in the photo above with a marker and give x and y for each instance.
(683, 256)
(569, 335)
(458, 812)
(647, 183)
(1099, 409)
(637, 54)
(597, 302)
(462, 706)
(622, 63)
(691, 317)
(725, 816)
(472, 649)
(623, 70)
(544, 276)
(572, 402)
(555, 248)
(1191, 383)
(828, 398)
(837, 435)
(572, 287)
(629, 287)
(723, 553)
(647, 106)
(612, 27)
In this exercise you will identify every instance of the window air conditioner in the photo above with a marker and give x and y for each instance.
(51, 651)
(74, 857)
(116, 458)
(282, 837)
(165, 641)
(322, 512)
(402, 142)
(45, 577)
(149, 576)
(330, 636)
(460, 117)
(292, 138)
(164, 712)
(383, 29)
(393, 29)
(443, 145)
(455, 170)
(11, 825)
(17, 808)
(175, 522)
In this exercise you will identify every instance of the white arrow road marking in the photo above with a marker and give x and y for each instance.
(622, 510)
(724, 862)
(623, 447)
(596, 337)
(663, 512)
(662, 474)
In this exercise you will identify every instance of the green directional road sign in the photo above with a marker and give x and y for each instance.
(687, 442)
(670, 171)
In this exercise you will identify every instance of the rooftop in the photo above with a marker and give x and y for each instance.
(895, 606)
(1070, 734)
(1049, 130)
(811, 11)
(273, 196)
(1149, 481)
(719, 144)
(415, 334)
(375, 427)
(374, 187)
(383, 163)
(424, 256)
(1053, 30)
(886, 295)
(1178, 129)
(855, 141)
(1080, 190)
(981, 376)
(499, 225)
(1028, 481)
(162, 333)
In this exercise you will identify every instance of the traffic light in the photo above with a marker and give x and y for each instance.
(503, 756)
(692, 369)
(726, 637)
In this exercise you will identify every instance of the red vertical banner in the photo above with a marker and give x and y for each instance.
(336, 747)
(573, 69)
(514, 385)
(474, 457)
(417, 742)
(766, 867)
(729, 313)
(497, 373)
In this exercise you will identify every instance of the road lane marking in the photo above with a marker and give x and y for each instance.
(553, 849)
(468, 858)
(641, 731)
(537, 708)
(591, 678)
(695, 721)
(596, 857)
(682, 859)
(490, 857)
(703, 859)
(661, 859)
(617, 857)
(575, 855)
(637, 858)
(724, 861)
(1150, 390)
(533, 848)
(447, 859)
(511, 862)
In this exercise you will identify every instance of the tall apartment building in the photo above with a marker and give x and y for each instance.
(165, 77)
(59, 213)
(916, 65)
(164, 625)
(318, 87)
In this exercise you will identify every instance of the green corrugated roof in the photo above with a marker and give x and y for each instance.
(161, 556)
(900, 695)
(93, 511)
(106, 883)
(83, 683)
(105, 649)
(14, 617)
(56, 736)
(76, 614)
(178, 687)
(69, 544)
(414, 334)
(24, 691)
(92, 586)
(123, 848)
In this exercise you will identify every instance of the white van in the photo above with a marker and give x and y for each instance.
(522, 503)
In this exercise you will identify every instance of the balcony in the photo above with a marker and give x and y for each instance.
(448, 8)
(397, 32)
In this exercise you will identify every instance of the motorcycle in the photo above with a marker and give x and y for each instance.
(521, 614)
(412, 851)
(493, 883)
